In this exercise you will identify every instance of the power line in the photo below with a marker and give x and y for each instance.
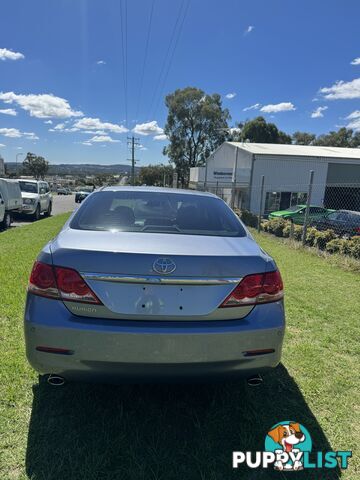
(145, 57)
(123, 22)
(171, 57)
(162, 70)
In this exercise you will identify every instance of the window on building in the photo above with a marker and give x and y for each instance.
(282, 200)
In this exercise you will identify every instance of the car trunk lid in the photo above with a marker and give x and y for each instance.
(122, 270)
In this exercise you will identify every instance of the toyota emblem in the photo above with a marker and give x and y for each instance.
(164, 266)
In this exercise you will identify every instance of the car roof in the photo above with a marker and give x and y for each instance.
(304, 205)
(129, 188)
(29, 180)
(349, 211)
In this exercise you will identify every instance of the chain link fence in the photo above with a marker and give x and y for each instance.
(330, 205)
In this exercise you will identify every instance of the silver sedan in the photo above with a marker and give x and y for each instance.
(150, 283)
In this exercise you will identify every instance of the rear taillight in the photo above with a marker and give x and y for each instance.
(60, 283)
(42, 281)
(257, 288)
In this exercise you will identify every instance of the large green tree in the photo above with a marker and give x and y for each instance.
(303, 138)
(196, 125)
(156, 175)
(344, 137)
(35, 165)
(258, 130)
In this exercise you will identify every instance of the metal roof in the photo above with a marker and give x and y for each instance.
(298, 150)
(117, 188)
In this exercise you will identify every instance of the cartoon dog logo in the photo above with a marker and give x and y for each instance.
(287, 436)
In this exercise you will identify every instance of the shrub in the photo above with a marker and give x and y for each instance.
(345, 247)
(287, 230)
(264, 225)
(355, 247)
(250, 219)
(311, 233)
(335, 245)
(322, 238)
(298, 229)
(276, 226)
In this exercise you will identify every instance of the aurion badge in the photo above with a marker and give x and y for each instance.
(164, 266)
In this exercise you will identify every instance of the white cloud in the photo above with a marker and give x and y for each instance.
(143, 148)
(8, 111)
(101, 62)
(256, 106)
(15, 133)
(160, 137)
(42, 105)
(87, 144)
(30, 136)
(102, 139)
(6, 54)
(149, 128)
(355, 114)
(48, 122)
(2, 145)
(342, 90)
(356, 61)
(91, 124)
(249, 29)
(10, 132)
(317, 113)
(61, 127)
(355, 120)
(278, 107)
(230, 96)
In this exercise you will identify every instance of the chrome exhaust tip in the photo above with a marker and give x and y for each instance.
(255, 380)
(55, 380)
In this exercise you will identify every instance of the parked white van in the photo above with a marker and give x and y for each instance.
(10, 201)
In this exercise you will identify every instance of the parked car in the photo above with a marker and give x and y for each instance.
(10, 201)
(343, 222)
(82, 194)
(36, 198)
(147, 282)
(297, 213)
(64, 191)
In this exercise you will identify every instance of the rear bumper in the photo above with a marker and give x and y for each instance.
(118, 350)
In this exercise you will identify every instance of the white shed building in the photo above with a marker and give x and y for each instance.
(235, 169)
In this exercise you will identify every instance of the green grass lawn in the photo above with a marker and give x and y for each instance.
(95, 432)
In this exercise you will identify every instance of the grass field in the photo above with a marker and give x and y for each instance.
(94, 432)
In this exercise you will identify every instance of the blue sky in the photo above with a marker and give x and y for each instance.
(63, 81)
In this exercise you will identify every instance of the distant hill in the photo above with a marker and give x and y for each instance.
(79, 169)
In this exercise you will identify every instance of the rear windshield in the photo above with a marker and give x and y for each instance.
(132, 211)
(29, 187)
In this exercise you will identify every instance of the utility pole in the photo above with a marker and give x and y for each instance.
(18, 155)
(132, 143)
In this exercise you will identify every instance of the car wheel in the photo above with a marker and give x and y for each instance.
(48, 211)
(36, 215)
(5, 224)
